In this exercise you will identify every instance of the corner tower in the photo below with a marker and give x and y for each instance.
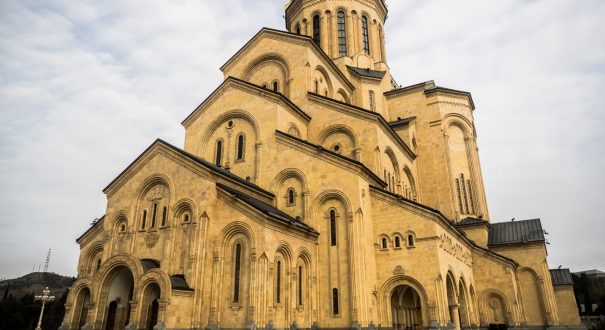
(351, 32)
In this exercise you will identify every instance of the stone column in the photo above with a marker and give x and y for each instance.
(454, 316)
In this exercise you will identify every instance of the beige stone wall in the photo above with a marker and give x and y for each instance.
(566, 305)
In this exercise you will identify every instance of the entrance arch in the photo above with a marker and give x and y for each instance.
(394, 286)
(81, 308)
(117, 292)
(406, 308)
(150, 307)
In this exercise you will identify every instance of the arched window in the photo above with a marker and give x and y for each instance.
(332, 227)
(470, 196)
(410, 240)
(236, 277)
(275, 86)
(464, 193)
(265, 86)
(186, 218)
(326, 92)
(384, 244)
(366, 34)
(291, 197)
(335, 309)
(154, 214)
(164, 216)
(278, 283)
(98, 264)
(297, 29)
(371, 97)
(397, 242)
(144, 220)
(316, 86)
(241, 147)
(218, 160)
(316, 30)
(122, 228)
(459, 196)
(342, 33)
(300, 285)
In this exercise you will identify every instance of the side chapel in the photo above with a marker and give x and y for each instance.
(315, 192)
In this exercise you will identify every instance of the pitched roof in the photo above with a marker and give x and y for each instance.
(367, 73)
(515, 232)
(268, 210)
(401, 121)
(561, 277)
(210, 166)
(591, 272)
(94, 224)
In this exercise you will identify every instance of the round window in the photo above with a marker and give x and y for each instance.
(337, 148)
(230, 124)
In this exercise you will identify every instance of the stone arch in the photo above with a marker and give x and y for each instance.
(230, 231)
(533, 302)
(331, 194)
(343, 95)
(293, 130)
(291, 179)
(76, 305)
(159, 278)
(121, 216)
(464, 302)
(391, 172)
(159, 190)
(264, 60)
(494, 307)
(411, 182)
(459, 121)
(183, 207)
(153, 180)
(323, 73)
(228, 115)
(387, 288)
(382, 239)
(340, 135)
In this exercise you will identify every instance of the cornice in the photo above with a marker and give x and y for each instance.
(250, 88)
(294, 7)
(366, 115)
(333, 158)
(292, 38)
(189, 161)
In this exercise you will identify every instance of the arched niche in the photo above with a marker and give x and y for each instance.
(322, 84)
(290, 188)
(340, 139)
(267, 69)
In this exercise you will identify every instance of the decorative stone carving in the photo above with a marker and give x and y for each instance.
(399, 270)
(456, 249)
(151, 239)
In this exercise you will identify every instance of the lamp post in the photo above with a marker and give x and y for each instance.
(44, 297)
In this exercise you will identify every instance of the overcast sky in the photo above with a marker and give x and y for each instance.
(86, 86)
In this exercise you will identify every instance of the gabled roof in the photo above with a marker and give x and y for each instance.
(202, 162)
(430, 88)
(327, 60)
(376, 115)
(268, 210)
(239, 82)
(561, 277)
(359, 164)
(516, 232)
(366, 73)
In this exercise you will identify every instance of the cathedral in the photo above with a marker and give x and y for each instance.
(315, 192)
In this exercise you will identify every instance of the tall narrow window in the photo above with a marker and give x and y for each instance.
(144, 220)
(219, 153)
(238, 260)
(316, 30)
(300, 286)
(186, 218)
(275, 86)
(397, 242)
(410, 240)
(335, 309)
(464, 193)
(332, 227)
(154, 214)
(164, 216)
(316, 87)
(366, 34)
(291, 197)
(459, 195)
(342, 34)
(470, 196)
(241, 145)
(384, 244)
(371, 100)
(297, 29)
(278, 283)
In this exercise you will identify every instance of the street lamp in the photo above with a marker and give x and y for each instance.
(44, 297)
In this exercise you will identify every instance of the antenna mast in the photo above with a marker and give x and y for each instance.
(47, 261)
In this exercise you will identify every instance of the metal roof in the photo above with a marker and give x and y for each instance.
(268, 209)
(470, 221)
(401, 121)
(561, 277)
(367, 72)
(515, 232)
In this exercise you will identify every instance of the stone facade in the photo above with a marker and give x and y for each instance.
(314, 192)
